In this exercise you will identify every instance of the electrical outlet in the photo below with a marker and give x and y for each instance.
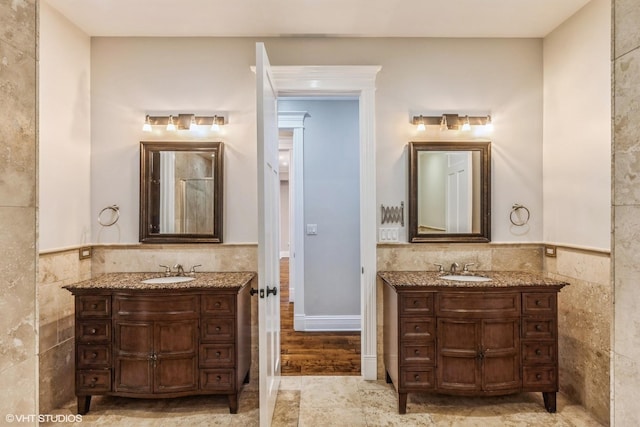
(312, 229)
(549, 250)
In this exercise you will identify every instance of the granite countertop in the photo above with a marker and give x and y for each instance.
(499, 279)
(115, 281)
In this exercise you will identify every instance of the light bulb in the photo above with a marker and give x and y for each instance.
(147, 125)
(215, 126)
(193, 124)
(170, 125)
(466, 125)
(489, 125)
(443, 123)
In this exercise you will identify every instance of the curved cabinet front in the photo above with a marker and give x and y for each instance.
(159, 343)
(471, 341)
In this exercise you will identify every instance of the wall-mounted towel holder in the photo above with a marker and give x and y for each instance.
(390, 214)
(103, 216)
(519, 215)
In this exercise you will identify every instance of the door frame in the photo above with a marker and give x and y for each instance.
(358, 80)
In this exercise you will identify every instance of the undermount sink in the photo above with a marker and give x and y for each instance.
(465, 278)
(174, 279)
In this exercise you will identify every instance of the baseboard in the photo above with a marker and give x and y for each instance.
(341, 323)
(284, 254)
(292, 294)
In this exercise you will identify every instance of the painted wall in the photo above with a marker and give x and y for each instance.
(64, 132)
(132, 76)
(332, 202)
(577, 129)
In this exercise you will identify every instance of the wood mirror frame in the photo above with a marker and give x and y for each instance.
(150, 189)
(480, 224)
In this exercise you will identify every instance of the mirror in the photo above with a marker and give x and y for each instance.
(181, 192)
(449, 191)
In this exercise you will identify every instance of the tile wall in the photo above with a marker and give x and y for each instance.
(626, 212)
(18, 206)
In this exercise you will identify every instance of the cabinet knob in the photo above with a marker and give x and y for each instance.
(538, 302)
(94, 306)
(417, 352)
(218, 378)
(417, 327)
(218, 354)
(218, 328)
(94, 380)
(92, 331)
(415, 302)
(538, 352)
(416, 377)
(538, 327)
(94, 355)
(538, 376)
(217, 304)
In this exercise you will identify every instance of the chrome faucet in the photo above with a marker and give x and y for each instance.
(454, 268)
(180, 270)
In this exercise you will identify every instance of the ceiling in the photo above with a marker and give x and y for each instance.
(318, 18)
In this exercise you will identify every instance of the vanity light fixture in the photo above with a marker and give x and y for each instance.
(183, 122)
(452, 122)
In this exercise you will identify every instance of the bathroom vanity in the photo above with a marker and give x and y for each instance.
(471, 338)
(162, 340)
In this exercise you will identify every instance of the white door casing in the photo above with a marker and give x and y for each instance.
(359, 81)
(268, 237)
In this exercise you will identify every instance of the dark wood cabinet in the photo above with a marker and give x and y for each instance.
(476, 340)
(162, 343)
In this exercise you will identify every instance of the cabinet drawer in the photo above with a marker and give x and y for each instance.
(217, 379)
(424, 330)
(419, 378)
(217, 355)
(93, 306)
(419, 354)
(478, 305)
(93, 381)
(94, 356)
(534, 377)
(155, 307)
(538, 327)
(214, 329)
(416, 303)
(218, 305)
(539, 303)
(94, 331)
(538, 352)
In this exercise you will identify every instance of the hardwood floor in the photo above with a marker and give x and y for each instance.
(314, 353)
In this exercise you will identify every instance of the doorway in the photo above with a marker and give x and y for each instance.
(321, 318)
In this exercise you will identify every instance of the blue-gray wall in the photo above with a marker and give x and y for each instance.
(332, 201)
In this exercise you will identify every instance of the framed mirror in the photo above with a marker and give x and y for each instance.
(181, 191)
(449, 191)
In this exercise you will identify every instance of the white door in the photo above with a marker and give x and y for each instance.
(459, 193)
(268, 237)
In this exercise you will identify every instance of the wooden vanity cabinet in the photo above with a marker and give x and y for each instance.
(471, 341)
(150, 343)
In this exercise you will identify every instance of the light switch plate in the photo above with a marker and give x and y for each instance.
(84, 252)
(388, 234)
(312, 229)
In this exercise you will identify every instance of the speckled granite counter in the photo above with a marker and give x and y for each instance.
(499, 279)
(128, 281)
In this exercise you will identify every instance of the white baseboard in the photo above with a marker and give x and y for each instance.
(326, 323)
(292, 294)
(284, 254)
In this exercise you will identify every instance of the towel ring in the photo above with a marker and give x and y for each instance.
(115, 215)
(519, 222)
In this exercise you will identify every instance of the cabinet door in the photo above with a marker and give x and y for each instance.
(458, 367)
(476, 355)
(500, 354)
(175, 346)
(133, 357)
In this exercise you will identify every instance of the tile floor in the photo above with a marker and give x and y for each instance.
(333, 401)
